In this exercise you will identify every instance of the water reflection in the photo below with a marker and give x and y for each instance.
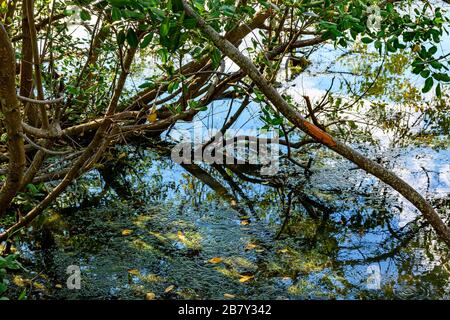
(172, 234)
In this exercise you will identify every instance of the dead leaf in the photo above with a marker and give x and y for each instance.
(245, 278)
(181, 236)
(126, 232)
(58, 286)
(169, 288)
(152, 117)
(150, 296)
(215, 260)
(229, 296)
(245, 222)
(134, 272)
(250, 246)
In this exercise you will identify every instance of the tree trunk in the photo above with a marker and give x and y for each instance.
(10, 109)
(26, 70)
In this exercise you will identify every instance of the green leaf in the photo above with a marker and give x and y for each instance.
(428, 85)
(432, 50)
(23, 295)
(3, 287)
(442, 77)
(164, 30)
(425, 73)
(438, 90)
(85, 16)
(367, 40)
(216, 57)
(118, 3)
(132, 38)
(189, 23)
(116, 14)
(121, 37)
(146, 41)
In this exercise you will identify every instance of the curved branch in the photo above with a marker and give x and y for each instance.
(36, 101)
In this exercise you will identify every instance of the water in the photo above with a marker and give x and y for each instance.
(178, 239)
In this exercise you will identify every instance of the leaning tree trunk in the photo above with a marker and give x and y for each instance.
(12, 121)
(319, 135)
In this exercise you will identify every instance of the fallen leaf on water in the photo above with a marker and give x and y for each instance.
(127, 232)
(245, 222)
(150, 296)
(181, 236)
(229, 296)
(245, 278)
(134, 272)
(215, 260)
(169, 288)
(58, 286)
(283, 250)
(250, 246)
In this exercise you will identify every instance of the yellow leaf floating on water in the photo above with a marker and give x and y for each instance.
(245, 222)
(250, 246)
(169, 288)
(245, 278)
(181, 236)
(215, 260)
(229, 296)
(150, 296)
(152, 117)
(134, 272)
(127, 232)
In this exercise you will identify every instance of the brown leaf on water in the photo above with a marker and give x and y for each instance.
(150, 296)
(215, 260)
(246, 278)
(250, 246)
(169, 288)
(229, 296)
